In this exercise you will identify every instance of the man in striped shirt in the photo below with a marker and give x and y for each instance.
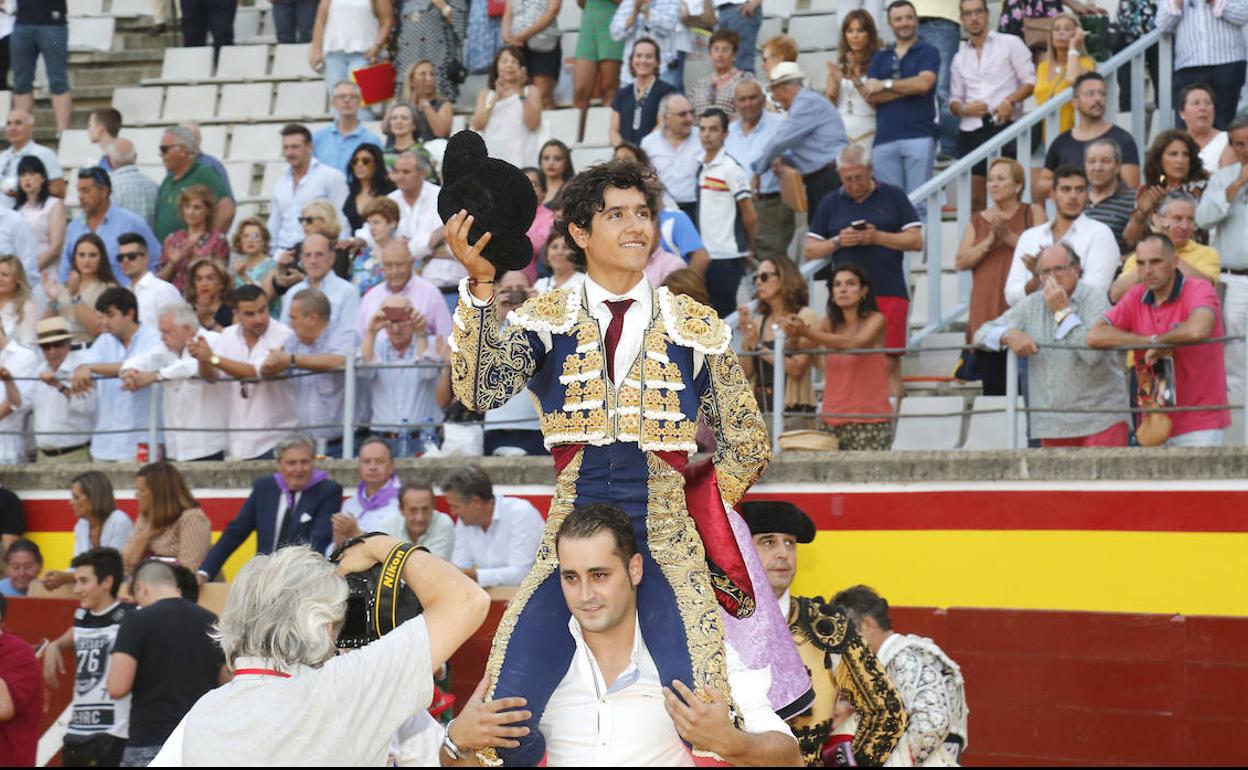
(1208, 48)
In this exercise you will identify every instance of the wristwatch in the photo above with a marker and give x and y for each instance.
(1062, 315)
(888, 84)
(215, 360)
(449, 745)
(836, 242)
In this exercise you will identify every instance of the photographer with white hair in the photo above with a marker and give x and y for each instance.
(292, 701)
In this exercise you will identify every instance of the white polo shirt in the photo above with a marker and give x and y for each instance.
(721, 184)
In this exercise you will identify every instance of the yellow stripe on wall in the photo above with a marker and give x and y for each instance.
(1150, 572)
(58, 550)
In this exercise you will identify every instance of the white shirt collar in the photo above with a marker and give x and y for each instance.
(596, 295)
(786, 603)
(628, 675)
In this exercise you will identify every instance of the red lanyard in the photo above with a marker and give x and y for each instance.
(262, 672)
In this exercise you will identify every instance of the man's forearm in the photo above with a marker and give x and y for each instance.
(771, 749)
(240, 370)
(321, 363)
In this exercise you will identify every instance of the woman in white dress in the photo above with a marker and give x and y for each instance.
(846, 76)
(1196, 110)
(508, 114)
(18, 314)
(42, 211)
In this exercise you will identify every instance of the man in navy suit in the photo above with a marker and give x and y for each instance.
(294, 505)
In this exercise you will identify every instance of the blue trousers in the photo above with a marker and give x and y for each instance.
(730, 17)
(946, 36)
(201, 17)
(293, 20)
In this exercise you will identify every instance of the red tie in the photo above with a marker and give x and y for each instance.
(618, 308)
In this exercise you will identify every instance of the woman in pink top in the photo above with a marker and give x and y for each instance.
(853, 384)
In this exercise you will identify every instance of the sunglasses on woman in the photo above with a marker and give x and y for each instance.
(761, 277)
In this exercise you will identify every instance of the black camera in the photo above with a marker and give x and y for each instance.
(378, 600)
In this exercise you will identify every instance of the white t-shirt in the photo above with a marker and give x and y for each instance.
(342, 714)
(94, 712)
(721, 183)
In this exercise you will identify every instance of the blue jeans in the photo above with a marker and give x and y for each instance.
(293, 20)
(723, 281)
(906, 163)
(730, 17)
(675, 76)
(30, 40)
(1197, 438)
(199, 17)
(945, 35)
(339, 65)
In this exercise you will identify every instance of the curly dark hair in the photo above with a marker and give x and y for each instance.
(1152, 158)
(585, 195)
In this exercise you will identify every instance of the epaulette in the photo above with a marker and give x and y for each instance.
(554, 312)
(824, 625)
(693, 325)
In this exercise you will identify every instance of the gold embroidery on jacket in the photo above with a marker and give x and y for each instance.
(729, 407)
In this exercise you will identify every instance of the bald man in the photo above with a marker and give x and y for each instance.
(132, 189)
(19, 129)
(398, 335)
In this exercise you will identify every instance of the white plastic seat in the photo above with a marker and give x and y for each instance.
(815, 65)
(85, 8)
(458, 123)
(919, 301)
(245, 101)
(815, 33)
(262, 141)
(584, 157)
(240, 175)
(139, 104)
(563, 124)
(212, 139)
(929, 422)
(468, 91)
(291, 61)
(6, 102)
(771, 26)
(91, 33)
(76, 150)
(243, 62)
(930, 363)
(812, 7)
(597, 126)
(272, 173)
(146, 142)
(187, 64)
(300, 99)
(156, 173)
(987, 428)
(189, 103)
(246, 23)
(131, 8)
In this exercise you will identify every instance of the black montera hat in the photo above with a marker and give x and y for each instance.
(498, 196)
(764, 516)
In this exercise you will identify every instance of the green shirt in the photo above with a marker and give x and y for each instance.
(168, 213)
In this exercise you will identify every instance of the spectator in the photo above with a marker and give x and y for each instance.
(21, 711)
(1110, 200)
(262, 412)
(44, 213)
(508, 113)
(317, 261)
(305, 180)
(782, 48)
(375, 505)
(400, 130)
(718, 89)
(1224, 212)
(335, 709)
(513, 428)
(18, 314)
(1172, 163)
(744, 18)
(19, 129)
(132, 190)
(1091, 240)
(397, 267)
(1015, 13)
(320, 347)
(871, 223)
(1196, 110)
(293, 505)
(809, 138)
(208, 294)
(123, 426)
(63, 420)
(665, 26)
(596, 65)
(403, 399)
(900, 84)
(1070, 147)
(496, 538)
(853, 384)
(193, 407)
(543, 220)
(555, 160)
(987, 250)
(1064, 378)
(930, 683)
(320, 217)
(1065, 60)
(635, 110)
(91, 276)
(198, 240)
(348, 35)
(1178, 222)
(434, 113)
(172, 526)
(1208, 48)
(23, 561)
(199, 17)
(436, 35)
(367, 181)
(726, 212)
(660, 264)
(938, 25)
(254, 266)
(598, 557)
(18, 368)
(531, 26)
(564, 273)
(675, 152)
(991, 78)
(179, 149)
(780, 292)
(163, 658)
(687, 283)
(99, 725)
(103, 126)
(630, 151)
(100, 217)
(150, 292)
(381, 215)
(1168, 308)
(423, 524)
(859, 43)
(294, 20)
(747, 136)
(100, 524)
(417, 198)
(214, 164)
